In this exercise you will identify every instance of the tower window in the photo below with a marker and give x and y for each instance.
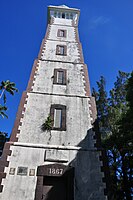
(61, 33)
(67, 16)
(60, 76)
(58, 14)
(58, 116)
(63, 15)
(71, 16)
(55, 14)
(61, 50)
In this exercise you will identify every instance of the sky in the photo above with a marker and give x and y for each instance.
(106, 34)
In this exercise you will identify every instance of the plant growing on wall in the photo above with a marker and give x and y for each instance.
(47, 125)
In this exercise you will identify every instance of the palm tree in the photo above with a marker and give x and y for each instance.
(7, 86)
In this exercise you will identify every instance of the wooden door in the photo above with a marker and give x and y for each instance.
(54, 188)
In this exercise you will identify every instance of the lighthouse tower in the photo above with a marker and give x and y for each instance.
(52, 154)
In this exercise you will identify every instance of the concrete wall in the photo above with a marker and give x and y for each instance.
(45, 76)
(70, 36)
(63, 22)
(50, 52)
(88, 179)
(70, 41)
(37, 111)
(75, 146)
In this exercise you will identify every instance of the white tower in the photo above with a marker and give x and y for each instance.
(51, 154)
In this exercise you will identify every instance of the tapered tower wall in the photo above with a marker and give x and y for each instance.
(32, 153)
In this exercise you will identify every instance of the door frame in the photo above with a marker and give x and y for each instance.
(58, 170)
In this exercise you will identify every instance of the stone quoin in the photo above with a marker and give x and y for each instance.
(52, 153)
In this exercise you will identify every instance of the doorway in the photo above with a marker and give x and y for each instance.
(55, 182)
(54, 188)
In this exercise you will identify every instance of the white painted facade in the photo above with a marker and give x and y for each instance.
(75, 145)
(44, 84)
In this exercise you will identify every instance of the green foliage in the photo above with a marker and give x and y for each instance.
(2, 111)
(3, 138)
(115, 115)
(101, 102)
(6, 86)
(47, 125)
(102, 106)
(130, 91)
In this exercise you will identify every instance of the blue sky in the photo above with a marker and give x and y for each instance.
(106, 34)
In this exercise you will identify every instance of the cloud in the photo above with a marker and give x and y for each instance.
(98, 21)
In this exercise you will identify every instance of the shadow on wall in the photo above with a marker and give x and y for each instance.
(84, 173)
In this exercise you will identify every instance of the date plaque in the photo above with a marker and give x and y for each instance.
(51, 170)
(22, 171)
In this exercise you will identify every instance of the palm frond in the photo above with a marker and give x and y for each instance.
(4, 98)
(8, 86)
(2, 111)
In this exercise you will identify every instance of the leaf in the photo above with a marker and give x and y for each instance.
(47, 125)
(2, 111)
(9, 87)
(4, 98)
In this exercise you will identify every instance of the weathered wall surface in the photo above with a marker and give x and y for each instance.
(74, 147)
(45, 75)
(70, 34)
(71, 41)
(50, 53)
(87, 172)
(66, 22)
(37, 111)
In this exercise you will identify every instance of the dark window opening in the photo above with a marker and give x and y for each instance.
(63, 15)
(54, 188)
(55, 182)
